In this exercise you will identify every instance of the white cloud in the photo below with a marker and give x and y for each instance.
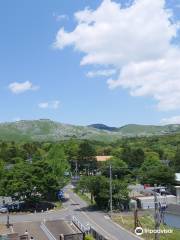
(137, 41)
(20, 87)
(17, 119)
(99, 73)
(60, 17)
(177, 5)
(51, 105)
(158, 78)
(171, 120)
(43, 105)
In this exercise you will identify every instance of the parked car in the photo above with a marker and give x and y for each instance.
(62, 196)
(3, 209)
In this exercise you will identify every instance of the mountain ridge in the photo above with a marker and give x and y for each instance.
(48, 130)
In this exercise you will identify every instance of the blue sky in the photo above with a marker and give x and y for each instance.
(42, 76)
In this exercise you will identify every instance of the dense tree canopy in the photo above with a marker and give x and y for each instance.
(98, 186)
(26, 181)
(29, 169)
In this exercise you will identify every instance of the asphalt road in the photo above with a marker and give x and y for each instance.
(78, 208)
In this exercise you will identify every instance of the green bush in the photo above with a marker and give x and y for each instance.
(89, 237)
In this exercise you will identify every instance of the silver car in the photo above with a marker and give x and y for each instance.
(3, 209)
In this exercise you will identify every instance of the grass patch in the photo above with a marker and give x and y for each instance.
(85, 197)
(89, 237)
(147, 221)
(58, 205)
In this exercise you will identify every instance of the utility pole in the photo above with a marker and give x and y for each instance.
(76, 170)
(156, 215)
(110, 188)
(8, 223)
(137, 222)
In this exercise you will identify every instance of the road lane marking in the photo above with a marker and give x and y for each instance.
(114, 223)
(125, 229)
(108, 235)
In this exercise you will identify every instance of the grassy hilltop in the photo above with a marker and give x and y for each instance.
(47, 130)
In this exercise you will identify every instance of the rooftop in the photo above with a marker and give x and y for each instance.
(33, 229)
(103, 158)
(177, 177)
(5, 200)
(152, 197)
(39, 230)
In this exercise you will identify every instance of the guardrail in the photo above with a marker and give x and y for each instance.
(88, 229)
(47, 232)
(84, 229)
(97, 235)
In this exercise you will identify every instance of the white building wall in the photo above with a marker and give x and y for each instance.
(148, 202)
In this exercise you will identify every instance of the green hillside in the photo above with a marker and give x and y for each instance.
(47, 130)
(143, 130)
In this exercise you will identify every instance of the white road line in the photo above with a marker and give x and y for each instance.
(125, 230)
(107, 234)
(119, 226)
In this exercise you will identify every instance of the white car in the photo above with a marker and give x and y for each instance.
(3, 209)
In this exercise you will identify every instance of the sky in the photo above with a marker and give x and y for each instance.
(83, 61)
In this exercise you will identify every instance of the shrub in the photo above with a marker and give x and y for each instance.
(89, 237)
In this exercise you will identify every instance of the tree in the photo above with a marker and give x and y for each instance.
(134, 157)
(120, 194)
(15, 160)
(119, 168)
(71, 150)
(86, 157)
(104, 151)
(1, 175)
(1, 168)
(149, 164)
(154, 172)
(138, 157)
(98, 186)
(117, 152)
(27, 181)
(126, 154)
(151, 156)
(177, 160)
(58, 161)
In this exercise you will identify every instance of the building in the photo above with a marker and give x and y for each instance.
(44, 231)
(147, 202)
(165, 162)
(177, 178)
(172, 215)
(103, 158)
(5, 201)
(178, 194)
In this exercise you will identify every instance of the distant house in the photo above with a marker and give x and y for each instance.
(147, 202)
(103, 158)
(172, 215)
(5, 201)
(9, 166)
(177, 178)
(165, 162)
